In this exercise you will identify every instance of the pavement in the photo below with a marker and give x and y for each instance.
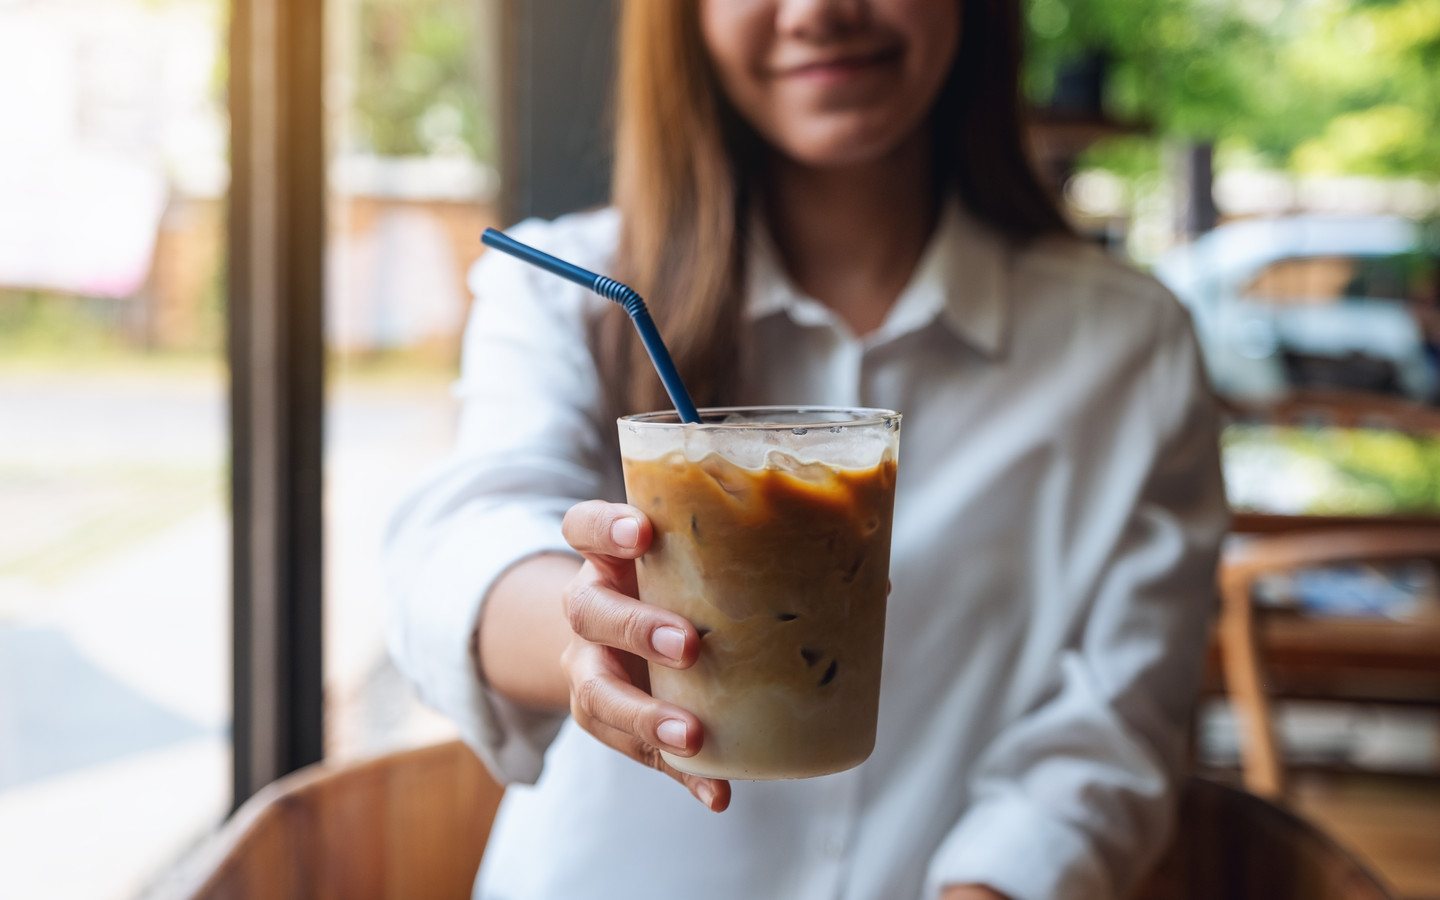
(114, 612)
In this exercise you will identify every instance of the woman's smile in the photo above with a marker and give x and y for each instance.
(832, 85)
(843, 67)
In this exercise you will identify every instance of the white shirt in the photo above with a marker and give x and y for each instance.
(1058, 513)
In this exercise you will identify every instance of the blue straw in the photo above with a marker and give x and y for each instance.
(610, 289)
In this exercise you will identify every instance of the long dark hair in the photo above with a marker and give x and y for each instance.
(685, 164)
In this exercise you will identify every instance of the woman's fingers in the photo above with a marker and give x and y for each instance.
(611, 536)
(606, 704)
(612, 530)
(600, 602)
(602, 615)
(601, 691)
(712, 792)
(612, 627)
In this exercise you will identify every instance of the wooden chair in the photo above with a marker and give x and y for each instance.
(414, 825)
(1320, 655)
(408, 826)
(1231, 845)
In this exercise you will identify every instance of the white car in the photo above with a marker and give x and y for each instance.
(1306, 301)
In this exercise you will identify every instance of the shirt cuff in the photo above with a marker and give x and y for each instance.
(1011, 846)
(433, 639)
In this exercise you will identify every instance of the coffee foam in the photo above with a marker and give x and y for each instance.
(846, 444)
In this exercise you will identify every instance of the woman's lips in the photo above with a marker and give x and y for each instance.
(841, 67)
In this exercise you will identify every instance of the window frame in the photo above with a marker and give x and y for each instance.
(275, 271)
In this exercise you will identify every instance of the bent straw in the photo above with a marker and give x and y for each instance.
(610, 289)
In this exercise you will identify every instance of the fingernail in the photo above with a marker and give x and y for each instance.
(672, 732)
(707, 795)
(625, 532)
(668, 641)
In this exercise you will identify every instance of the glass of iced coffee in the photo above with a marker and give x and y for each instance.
(772, 536)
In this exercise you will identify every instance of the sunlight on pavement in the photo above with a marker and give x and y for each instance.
(115, 618)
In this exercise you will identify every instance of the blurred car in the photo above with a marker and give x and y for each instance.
(1309, 301)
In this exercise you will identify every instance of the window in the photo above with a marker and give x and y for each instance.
(411, 163)
(114, 595)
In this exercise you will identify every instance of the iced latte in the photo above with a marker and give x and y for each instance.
(772, 536)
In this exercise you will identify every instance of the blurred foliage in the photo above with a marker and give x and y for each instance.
(416, 86)
(78, 331)
(1316, 86)
(1351, 471)
(43, 323)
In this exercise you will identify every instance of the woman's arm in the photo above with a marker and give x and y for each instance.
(531, 442)
(523, 632)
(492, 617)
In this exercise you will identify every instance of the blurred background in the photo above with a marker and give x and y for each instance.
(1275, 162)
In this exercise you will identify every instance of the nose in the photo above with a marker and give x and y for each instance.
(821, 19)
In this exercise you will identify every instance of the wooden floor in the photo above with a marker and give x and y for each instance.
(1392, 823)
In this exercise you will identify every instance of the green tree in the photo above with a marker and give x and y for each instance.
(1332, 86)
(417, 85)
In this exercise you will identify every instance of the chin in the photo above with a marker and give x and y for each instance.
(839, 155)
(841, 145)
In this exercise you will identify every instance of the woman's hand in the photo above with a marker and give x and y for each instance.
(614, 636)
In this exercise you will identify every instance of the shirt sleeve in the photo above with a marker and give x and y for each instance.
(1075, 799)
(528, 447)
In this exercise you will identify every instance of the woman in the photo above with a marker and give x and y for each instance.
(826, 202)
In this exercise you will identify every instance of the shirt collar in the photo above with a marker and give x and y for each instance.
(959, 280)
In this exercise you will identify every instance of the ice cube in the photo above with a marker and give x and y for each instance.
(730, 479)
(781, 461)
